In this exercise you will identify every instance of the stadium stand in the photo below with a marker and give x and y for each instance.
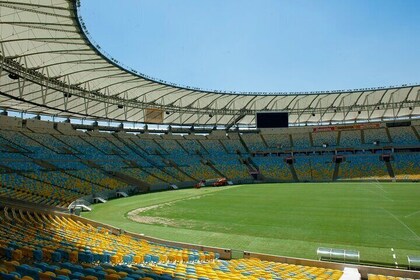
(230, 167)
(88, 161)
(325, 138)
(301, 140)
(322, 168)
(378, 135)
(192, 146)
(383, 277)
(276, 141)
(149, 145)
(52, 245)
(53, 195)
(232, 146)
(254, 142)
(274, 168)
(213, 147)
(302, 165)
(403, 135)
(406, 166)
(351, 138)
(54, 168)
(146, 176)
(362, 166)
(172, 147)
(97, 177)
(200, 171)
(18, 162)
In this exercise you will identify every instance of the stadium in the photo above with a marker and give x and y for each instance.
(107, 173)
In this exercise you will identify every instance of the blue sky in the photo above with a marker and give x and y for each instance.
(262, 45)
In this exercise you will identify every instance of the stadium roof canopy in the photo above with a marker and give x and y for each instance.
(49, 65)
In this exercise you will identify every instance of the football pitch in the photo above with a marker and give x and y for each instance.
(381, 220)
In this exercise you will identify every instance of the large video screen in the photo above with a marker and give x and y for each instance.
(272, 119)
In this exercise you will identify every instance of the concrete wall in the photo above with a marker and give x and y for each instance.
(67, 128)
(40, 126)
(10, 123)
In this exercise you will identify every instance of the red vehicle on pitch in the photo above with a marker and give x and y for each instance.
(220, 182)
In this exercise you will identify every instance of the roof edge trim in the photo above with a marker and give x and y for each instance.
(102, 53)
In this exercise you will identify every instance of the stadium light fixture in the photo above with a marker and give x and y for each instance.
(13, 76)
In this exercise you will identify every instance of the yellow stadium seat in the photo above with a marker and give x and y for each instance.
(63, 271)
(10, 266)
(112, 277)
(3, 270)
(17, 255)
(89, 277)
(48, 275)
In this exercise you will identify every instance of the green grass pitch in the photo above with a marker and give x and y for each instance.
(281, 219)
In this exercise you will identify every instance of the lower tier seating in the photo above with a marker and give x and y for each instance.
(39, 245)
(383, 277)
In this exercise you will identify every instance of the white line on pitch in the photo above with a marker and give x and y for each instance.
(377, 193)
(414, 213)
(394, 256)
(392, 249)
(401, 222)
(379, 186)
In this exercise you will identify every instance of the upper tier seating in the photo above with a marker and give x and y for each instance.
(378, 134)
(254, 142)
(350, 138)
(329, 138)
(301, 140)
(277, 141)
(403, 135)
(233, 146)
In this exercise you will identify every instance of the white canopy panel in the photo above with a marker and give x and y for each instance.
(49, 65)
